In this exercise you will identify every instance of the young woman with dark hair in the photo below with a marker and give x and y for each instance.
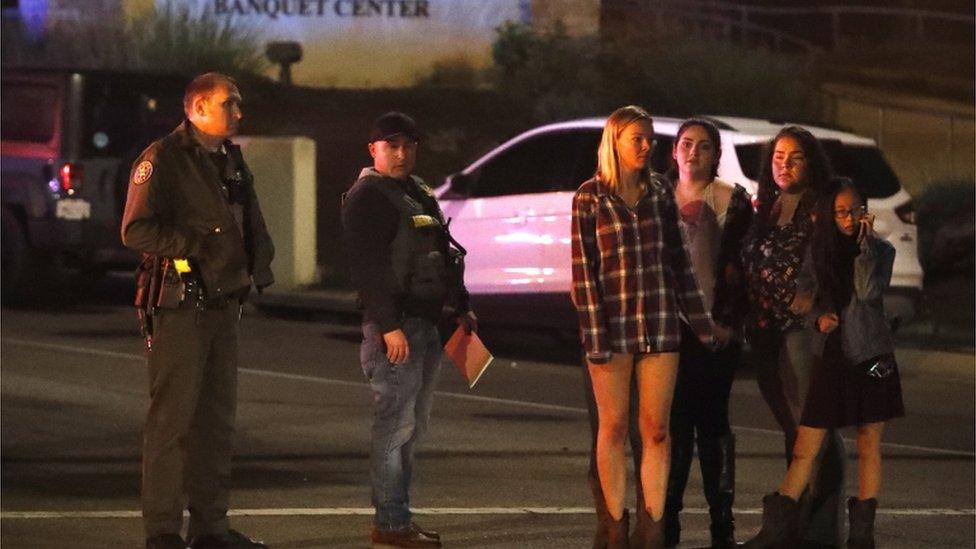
(794, 173)
(855, 379)
(714, 216)
(632, 282)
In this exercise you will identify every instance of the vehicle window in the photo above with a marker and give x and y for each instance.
(661, 155)
(544, 163)
(589, 142)
(30, 112)
(866, 166)
(750, 159)
(551, 162)
(122, 120)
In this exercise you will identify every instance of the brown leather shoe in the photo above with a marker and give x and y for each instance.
(411, 536)
(231, 540)
(428, 533)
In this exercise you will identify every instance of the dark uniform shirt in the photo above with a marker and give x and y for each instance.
(370, 222)
(177, 207)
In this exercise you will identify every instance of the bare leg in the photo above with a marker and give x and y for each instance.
(808, 441)
(611, 389)
(869, 459)
(656, 375)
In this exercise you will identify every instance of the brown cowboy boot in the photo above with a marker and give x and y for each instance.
(649, 533)
(602, 515)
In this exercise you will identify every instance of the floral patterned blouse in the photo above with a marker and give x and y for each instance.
(772, 264)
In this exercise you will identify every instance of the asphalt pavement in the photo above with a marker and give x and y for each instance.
(503, 466)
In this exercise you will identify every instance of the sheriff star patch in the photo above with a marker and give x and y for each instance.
(143, 172)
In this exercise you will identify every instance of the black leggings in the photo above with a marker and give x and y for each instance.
(701, 394)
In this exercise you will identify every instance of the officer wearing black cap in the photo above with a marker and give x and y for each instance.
(192, 211)
(402, 265)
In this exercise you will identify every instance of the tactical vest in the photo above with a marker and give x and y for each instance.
(417, 251)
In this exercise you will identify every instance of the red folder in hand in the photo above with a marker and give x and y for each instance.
(469, 355)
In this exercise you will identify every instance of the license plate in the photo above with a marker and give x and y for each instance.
(73, 209)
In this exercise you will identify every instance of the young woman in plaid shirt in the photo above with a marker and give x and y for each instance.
(632, 284)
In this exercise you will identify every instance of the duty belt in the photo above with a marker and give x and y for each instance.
(194, 293)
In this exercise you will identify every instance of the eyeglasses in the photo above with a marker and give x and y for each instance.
(856, 213)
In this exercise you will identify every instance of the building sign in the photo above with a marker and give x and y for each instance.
(370, 43)
(323, 8)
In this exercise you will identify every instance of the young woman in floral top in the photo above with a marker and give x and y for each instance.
(715, 216)
(794, 173)
(631, 281)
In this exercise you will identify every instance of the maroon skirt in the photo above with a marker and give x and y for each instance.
(843, 394)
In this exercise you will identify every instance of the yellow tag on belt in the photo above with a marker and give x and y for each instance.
(424, 221)
(181, 265)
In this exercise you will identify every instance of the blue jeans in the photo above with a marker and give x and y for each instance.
(402, 396)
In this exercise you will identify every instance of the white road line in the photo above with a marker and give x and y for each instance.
(461, 396)
(368, 511)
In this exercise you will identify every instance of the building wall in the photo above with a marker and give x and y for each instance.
(925, 139)
(346, 43)
(369, 43)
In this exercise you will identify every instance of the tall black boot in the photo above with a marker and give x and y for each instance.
(717, 459)
(602, 515)
(861, 513)
(780, 517)
(682, 452)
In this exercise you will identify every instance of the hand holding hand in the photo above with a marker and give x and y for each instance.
(397, 349)
(828, 322)
(723, 335)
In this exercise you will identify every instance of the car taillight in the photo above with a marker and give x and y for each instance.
(69, 178)
(906, 212)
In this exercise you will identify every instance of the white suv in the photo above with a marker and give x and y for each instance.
(511, 209)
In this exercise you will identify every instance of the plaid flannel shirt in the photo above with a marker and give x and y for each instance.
(632, 280)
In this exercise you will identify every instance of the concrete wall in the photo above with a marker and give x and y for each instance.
(924, 139)
(284, 178)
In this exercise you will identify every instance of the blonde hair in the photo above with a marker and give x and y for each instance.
(607, 163)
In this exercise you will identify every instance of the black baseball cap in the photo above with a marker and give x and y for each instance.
(393, 124)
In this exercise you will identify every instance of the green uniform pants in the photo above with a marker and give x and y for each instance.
(188, 437)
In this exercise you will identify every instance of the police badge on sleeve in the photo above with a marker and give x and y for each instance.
(142, 173)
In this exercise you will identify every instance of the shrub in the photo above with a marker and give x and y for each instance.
(564, 76)
(453, 72)
(945, 216)
(556, 75)
(173, 39)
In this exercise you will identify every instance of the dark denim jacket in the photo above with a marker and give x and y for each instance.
(864, 331)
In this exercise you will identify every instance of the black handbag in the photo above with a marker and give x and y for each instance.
(880, 367)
